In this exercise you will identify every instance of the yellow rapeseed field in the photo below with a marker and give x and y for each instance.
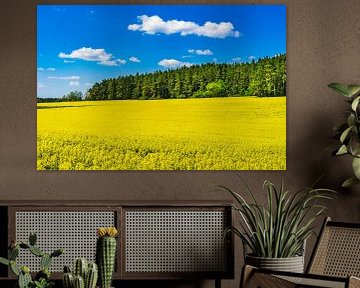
(233, 133)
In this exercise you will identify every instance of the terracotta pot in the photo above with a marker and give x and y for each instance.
(291, 264)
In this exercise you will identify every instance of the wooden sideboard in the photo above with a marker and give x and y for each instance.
(157, 240)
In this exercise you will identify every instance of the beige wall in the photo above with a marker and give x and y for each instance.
(323, 46)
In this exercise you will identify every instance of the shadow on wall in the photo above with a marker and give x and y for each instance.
(321, 164)
(312, 160)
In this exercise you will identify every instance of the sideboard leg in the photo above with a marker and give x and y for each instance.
(217, 283)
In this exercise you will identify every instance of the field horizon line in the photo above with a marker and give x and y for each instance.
(154, 99)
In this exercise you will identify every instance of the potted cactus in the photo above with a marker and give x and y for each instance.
(84, 275)
(106, 254)
(42, 278)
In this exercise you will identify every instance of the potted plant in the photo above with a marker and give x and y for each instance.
(349, 131)
(84, 274)
(106, 254)
(276, 233)
(42, 278)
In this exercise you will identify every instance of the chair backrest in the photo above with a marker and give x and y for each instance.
(337, 251)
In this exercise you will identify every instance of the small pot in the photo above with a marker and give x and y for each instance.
(291, 264)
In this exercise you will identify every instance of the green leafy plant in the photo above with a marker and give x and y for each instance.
(42, 278)
(43, 283)
(349, 131)
(279, 229)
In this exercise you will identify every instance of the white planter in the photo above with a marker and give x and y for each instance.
(291, 264)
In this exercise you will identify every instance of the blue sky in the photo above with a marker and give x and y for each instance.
(78, 45)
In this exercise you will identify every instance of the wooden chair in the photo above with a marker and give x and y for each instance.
(335, 262)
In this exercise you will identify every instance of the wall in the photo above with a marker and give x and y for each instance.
(322, 47)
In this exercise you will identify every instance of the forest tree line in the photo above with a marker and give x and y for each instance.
(70, 97)
(264, 78)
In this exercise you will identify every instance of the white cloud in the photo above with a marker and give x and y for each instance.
(47, 69)
(134, 59)
(89, 84)
(121, 61)
(215, 60)
(186, 56)
(89, 54)
(74, 83)
(173, 63)
(108, 63)
(251, 58)
(72, 78)
(205, 52)
(113, 62)
(236, 59)
(155, 24)
(40, 85)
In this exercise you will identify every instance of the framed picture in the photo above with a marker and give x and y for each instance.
(161, 87)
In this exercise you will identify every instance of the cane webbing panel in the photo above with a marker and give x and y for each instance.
(175, 241)
(260, 280)
(313, 282)
(75, 231)
(338, 252)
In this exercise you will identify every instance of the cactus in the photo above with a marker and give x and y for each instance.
(32, 239)
(80, 268)
(68, 280)
(105, 254)
(57, 252)
(4, 261)
(91, 276)
(79, 282)
(45, 261)
(14, 268)
(24, 278)
(13, 253)
(89, 272)
(43, 274)
(24, 246)
(25, 269)
(67, 269)
(36, 251)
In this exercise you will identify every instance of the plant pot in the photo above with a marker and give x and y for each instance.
(291, 264)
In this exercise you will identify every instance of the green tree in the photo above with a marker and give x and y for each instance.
(215, 89)
(264, 77)
(73, 96)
